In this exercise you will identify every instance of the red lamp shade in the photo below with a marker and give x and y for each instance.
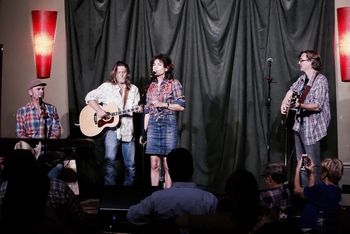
(344, 42)
(44, 28)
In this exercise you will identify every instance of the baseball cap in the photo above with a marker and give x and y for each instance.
(36, 82)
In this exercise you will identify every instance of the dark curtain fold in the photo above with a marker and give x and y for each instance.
(219, 49)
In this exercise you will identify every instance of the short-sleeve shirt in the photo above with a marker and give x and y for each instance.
(29, 123)
(314, 124)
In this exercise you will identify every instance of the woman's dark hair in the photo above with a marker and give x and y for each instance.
(113, 73)
(169, 74)
(314, 57)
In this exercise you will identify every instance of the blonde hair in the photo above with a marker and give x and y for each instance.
(332, 168)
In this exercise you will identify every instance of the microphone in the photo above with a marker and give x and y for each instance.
(269, 60)
(42, 106)
(41, 101)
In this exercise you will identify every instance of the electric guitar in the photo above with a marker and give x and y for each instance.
(91, 125)
(289, 118)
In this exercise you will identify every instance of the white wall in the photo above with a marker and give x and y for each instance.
(18, 61)
(343, 113)
(343, 99)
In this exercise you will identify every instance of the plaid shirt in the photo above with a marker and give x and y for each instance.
(60, 196)
(278, 199)
(31, 125)
(313, 125)
(170, 91)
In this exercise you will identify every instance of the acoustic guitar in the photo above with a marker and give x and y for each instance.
(289, 118)
(91, 125)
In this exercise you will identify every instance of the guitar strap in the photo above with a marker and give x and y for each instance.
(302, 98)
(306, 90)
(124, 103)
(125, 97)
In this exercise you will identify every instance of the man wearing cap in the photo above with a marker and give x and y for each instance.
(37, 119)
(276, 197)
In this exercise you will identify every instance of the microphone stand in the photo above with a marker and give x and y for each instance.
(144, 84)
(44, 116)
(268, 113)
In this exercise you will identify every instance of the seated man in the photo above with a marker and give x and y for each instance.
(276, 198)
(237, 210)
(183, 197)
(39, 119)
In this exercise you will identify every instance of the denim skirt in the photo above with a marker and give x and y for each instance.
(161, 135)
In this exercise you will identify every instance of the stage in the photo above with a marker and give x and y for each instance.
(113, 207)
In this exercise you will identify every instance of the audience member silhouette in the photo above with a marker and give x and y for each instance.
(183, 197)
(237, 211)
(3, 155)
(32, 203)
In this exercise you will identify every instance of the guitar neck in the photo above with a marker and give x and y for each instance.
(123, 112)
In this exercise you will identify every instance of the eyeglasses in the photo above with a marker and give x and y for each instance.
(303, 60)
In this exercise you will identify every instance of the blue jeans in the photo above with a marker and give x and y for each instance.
(55, 171)
(313, 151)
(111, 151)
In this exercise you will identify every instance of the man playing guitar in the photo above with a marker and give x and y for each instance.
(121, 93)
(313, 117)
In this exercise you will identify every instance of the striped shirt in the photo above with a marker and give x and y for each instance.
(313, 124)
(29, 123)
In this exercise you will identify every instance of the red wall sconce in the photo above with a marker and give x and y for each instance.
(344, 42)
(44, 29)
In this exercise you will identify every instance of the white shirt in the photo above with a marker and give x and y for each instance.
(108, 93)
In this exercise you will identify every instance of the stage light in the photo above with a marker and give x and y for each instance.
(344, 42)
(44, 29)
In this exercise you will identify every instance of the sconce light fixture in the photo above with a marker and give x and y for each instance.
(344, 42)
(44, 29)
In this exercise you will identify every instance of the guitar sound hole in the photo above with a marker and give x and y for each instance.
(105, 120)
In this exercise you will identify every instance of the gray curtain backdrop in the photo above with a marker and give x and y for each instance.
(219, 49)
